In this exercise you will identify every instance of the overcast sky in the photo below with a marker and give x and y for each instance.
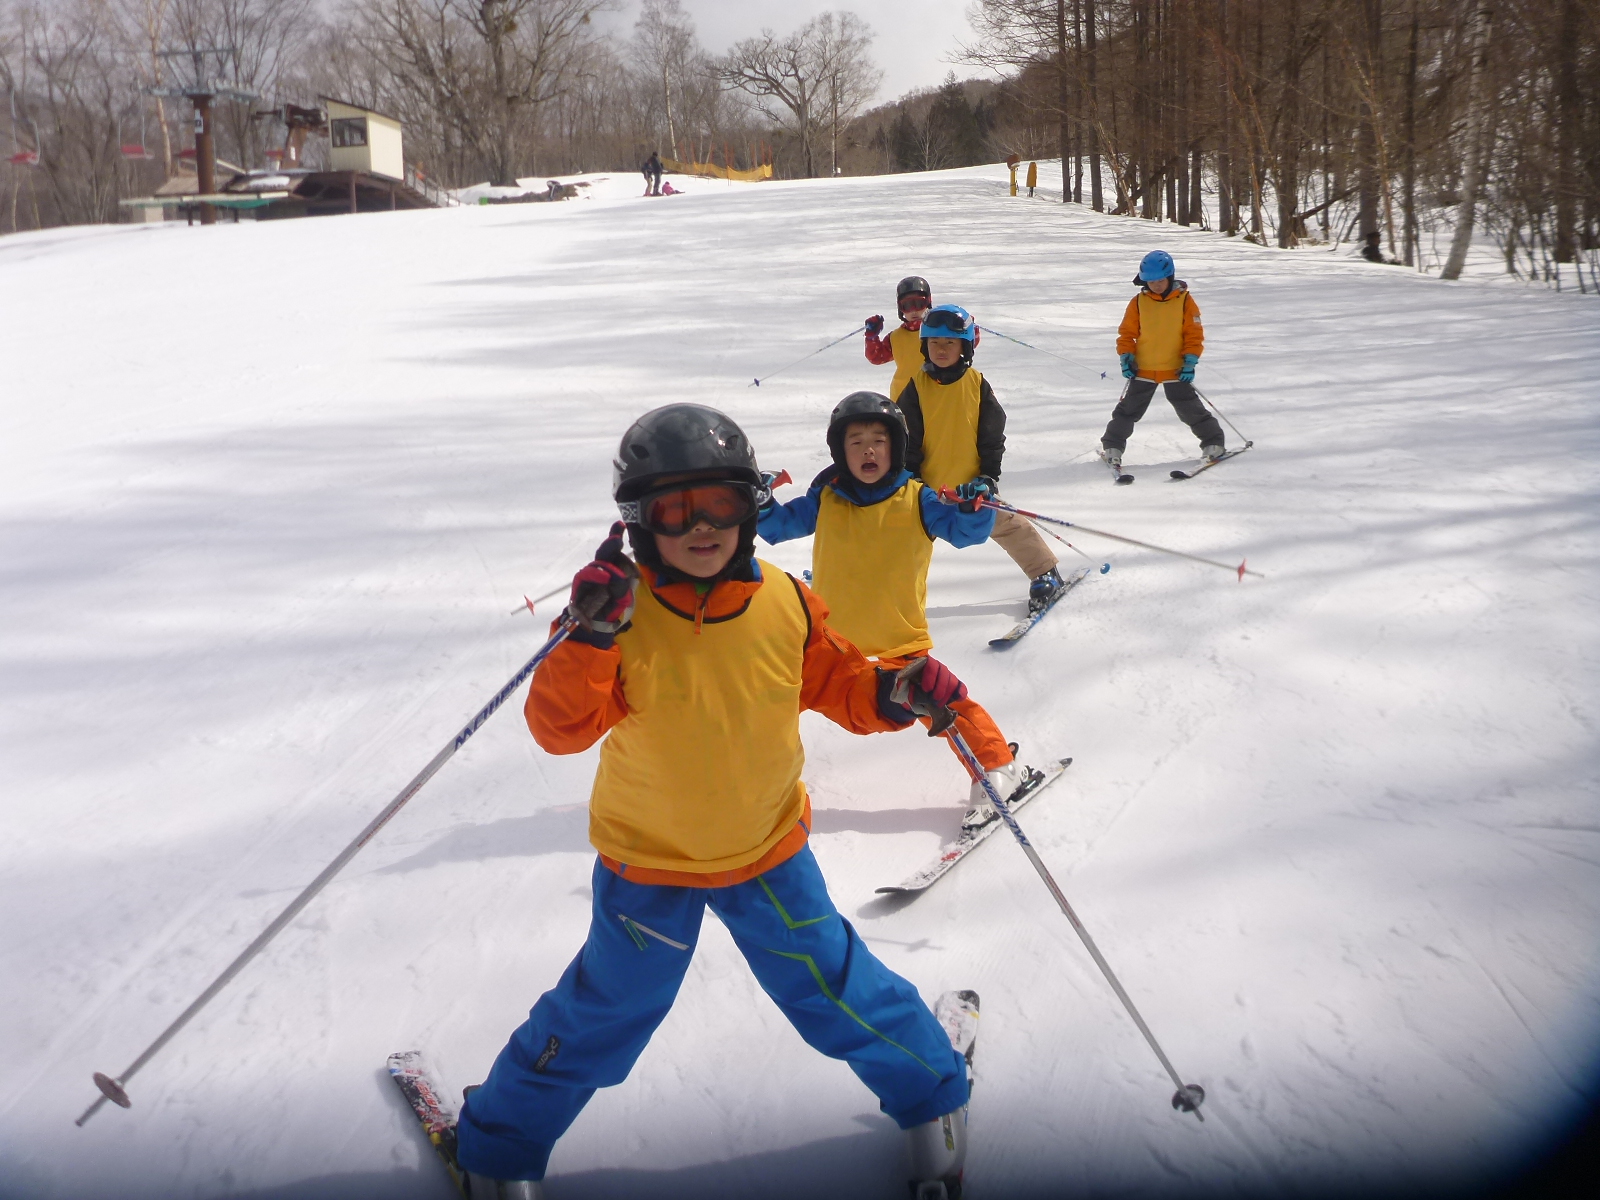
(914, 42)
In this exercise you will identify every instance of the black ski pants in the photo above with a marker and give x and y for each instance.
(1190, 408)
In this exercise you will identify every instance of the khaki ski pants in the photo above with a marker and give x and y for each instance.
(1018, 538)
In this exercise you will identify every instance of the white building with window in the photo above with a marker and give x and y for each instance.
(363, 140)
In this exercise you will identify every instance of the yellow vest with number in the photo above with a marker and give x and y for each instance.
(1160, 345)
(950, 428)
(870, 563)
(907, 347)
(703, 774)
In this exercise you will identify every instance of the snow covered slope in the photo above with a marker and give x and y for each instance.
(269, 496)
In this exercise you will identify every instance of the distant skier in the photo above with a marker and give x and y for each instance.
(903, 346)
(652, 174)
(875, 526)
(956, 437)
(694, 666)
(1160, 341)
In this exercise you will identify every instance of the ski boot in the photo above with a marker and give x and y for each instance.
(981, 809)
(481, 1187)
(1045, 591)
(1212, 453)
(1113, 457)
(938, 1157)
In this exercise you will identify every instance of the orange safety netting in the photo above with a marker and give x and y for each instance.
(764, 171)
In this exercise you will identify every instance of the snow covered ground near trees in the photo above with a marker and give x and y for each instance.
(269, 496)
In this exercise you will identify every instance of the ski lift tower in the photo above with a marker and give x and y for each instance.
(204, 84)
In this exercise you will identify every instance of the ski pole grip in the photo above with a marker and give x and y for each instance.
(941, 720)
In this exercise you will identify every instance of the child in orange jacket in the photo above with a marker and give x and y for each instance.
(693, 664)
(903, 346)
(1160, 341)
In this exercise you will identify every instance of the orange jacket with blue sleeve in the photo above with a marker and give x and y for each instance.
(699, 702)
(1159, 330)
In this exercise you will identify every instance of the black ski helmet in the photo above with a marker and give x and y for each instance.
(682, 439)
(911, 285)
(679, 439)
(869, 406)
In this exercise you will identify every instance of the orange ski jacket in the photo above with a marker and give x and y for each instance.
(1160, 330)
(699, 700)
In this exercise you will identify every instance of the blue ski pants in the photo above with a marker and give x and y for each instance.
(589, 1030)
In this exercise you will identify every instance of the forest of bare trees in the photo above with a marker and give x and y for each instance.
(1292, 121)
(1289, 122)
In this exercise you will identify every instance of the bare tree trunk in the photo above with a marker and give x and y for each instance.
(1227, 212)
(1288, 168)
(1077, 102)
(1094, 112)
(1064, 126)
(1409, 199)
(1181, 121)
(1368, 137)
(1477, 152)
(1568, 113)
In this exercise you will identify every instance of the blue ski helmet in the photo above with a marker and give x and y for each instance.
(948, 320)
(1156, 265)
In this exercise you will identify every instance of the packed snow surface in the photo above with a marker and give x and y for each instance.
(270, 500)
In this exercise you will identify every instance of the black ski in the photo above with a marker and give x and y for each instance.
(1208, 464)
(1034, 782)
(1020, 630)
(427, 1099)
(1118, 475)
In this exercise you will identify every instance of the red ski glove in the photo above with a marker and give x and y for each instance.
(602, 593)
(874, 325)
(924, 687)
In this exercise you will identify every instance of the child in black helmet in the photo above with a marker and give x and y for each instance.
(693, 664)
(903, 346)
(875, 526)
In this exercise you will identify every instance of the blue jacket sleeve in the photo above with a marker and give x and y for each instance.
(796, 519)
(947, 521)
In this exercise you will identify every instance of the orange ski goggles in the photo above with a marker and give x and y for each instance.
(674, 510)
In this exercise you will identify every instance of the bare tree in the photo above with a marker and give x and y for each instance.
(1476, 149)
(808, 80)
(664, 46)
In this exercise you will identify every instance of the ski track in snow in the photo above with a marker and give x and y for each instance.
(271, 494)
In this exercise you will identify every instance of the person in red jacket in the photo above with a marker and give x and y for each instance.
(1160, 341)
(693, 663)
(903, 346)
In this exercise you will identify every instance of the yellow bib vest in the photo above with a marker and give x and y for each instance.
(1160, 332)
(871, 566)
(950, 428)
(703, 774)
(907, 347)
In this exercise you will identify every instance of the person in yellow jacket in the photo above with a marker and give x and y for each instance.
(875, 526)
(1160, 341)
(903, 346)
(956, 438)
(693, 663)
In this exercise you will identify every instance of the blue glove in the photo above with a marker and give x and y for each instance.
(1130, 367)
(874, 325)
(980, 487)
(1186, 375)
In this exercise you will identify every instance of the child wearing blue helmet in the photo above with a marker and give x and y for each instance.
(1160, 340)
(956, 437)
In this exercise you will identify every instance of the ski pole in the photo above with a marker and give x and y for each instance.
(529, 604)
(1248, 443)
(1041, 350)
(114, 1089)
(813, 354)
(949, 495)
(1189, 1096)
